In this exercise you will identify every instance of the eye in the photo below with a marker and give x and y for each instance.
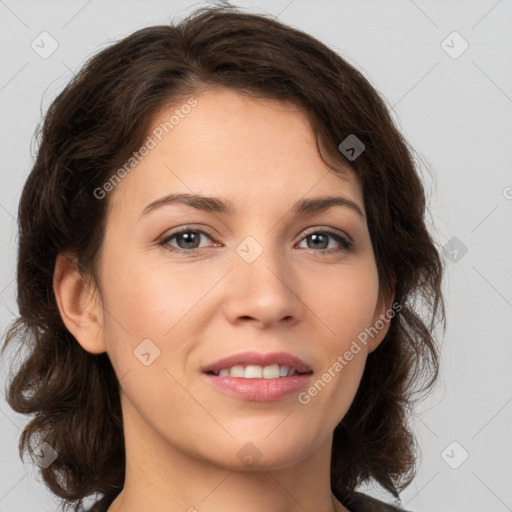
(320, 240)
(187, 239)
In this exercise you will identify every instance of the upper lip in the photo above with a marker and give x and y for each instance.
(259, 359)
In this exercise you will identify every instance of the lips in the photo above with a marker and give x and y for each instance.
(259, 359)
(260, 382)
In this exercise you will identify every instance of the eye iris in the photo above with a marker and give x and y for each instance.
(191, 239)
(316, 237)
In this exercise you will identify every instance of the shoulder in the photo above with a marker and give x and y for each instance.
(360, 502)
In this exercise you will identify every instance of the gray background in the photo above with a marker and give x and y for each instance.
(456, 112)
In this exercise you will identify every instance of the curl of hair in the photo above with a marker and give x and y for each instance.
(95, 124)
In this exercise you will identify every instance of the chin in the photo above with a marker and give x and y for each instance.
(264, 452)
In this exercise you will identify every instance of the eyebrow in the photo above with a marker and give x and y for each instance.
(218, 205)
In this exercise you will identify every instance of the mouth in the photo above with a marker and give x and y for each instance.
(274, 371)
(257, 365)
(258, 377)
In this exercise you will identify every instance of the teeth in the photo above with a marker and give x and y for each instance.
(237, 371)
(253, 372)
(257, 372)
(271, 372)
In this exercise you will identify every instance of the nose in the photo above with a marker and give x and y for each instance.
(264, 292)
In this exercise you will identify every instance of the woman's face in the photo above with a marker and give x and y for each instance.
(261, 277)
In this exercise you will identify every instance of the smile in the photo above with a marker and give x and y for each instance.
(258, 377)
(274, 371)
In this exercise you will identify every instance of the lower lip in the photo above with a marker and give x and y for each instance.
(259, 390)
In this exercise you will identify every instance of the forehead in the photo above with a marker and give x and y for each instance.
(249, 150)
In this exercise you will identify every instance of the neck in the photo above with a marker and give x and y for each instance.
(165, 477)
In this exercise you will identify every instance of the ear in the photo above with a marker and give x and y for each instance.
(384, 312)
(78, 305)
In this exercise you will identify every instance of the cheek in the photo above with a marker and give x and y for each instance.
(147, 300)
(162, 304)
(345, 300)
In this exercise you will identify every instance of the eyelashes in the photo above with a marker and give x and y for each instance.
(318, 235)
(166, 241)
(327, 233)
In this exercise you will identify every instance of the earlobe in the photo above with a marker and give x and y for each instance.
(78, 305)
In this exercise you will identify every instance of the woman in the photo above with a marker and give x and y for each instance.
(220, 244)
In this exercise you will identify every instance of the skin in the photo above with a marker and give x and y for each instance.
(182, 435)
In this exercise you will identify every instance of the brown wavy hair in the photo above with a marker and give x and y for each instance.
(93, 127)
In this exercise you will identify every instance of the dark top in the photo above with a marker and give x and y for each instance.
(360, 502)
(357, 502)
